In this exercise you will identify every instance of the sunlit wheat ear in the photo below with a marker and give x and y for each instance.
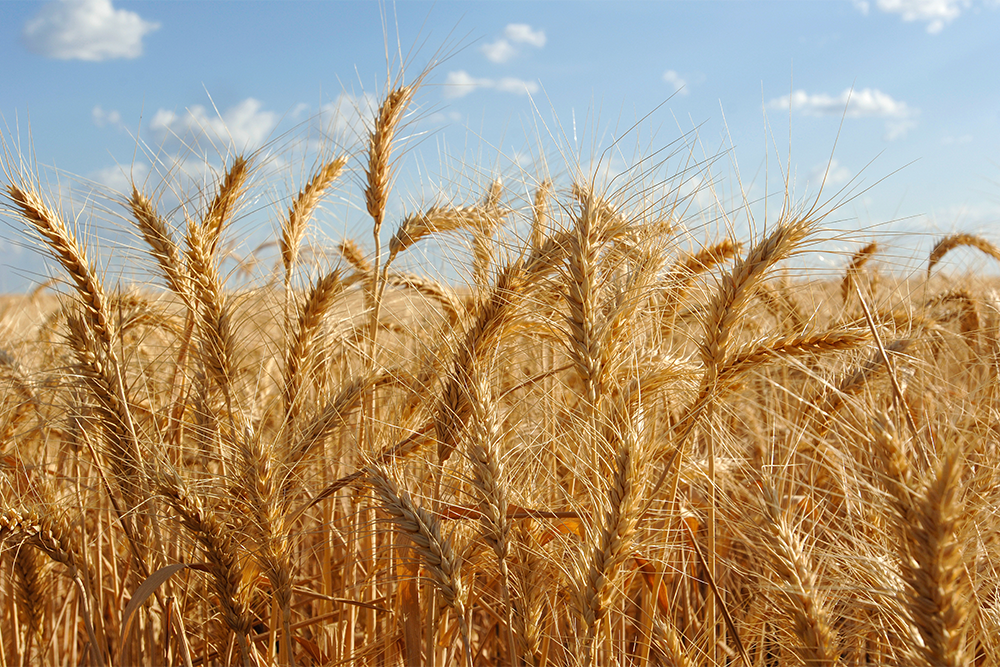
(63, 246)
(162, 246)
(811, 618)
(727, 306)
(738, 286)
(540, 214)
(380, 145)
(437, 220)
(221, 550)
(31, 592)
(854, 267)
(949, 243)
(667, 643)
(684, 271)
(490, 484)
(443, 295)
(969, 313)
(611, 537)
(301, 211)
(781, 347)
(214, 312)
(927, 515)
(93, 339)
(25, 528)
(494, 318)
(321, 297)
(584, 338)
(220, 211)
(26, 398)
(435, 550)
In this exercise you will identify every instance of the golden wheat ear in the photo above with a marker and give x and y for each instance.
(949, 243)
(301, 211)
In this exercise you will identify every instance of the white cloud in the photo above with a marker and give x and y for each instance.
(675, 80)
(834, 173)
(86, 30)
(102, 117)
(869, 102)
(936, 13)
(504, 48)
(509, 84)
(349, 114)
(461, 83)
(499, 51)
(245, 125)
(120, 178)
(521, 33)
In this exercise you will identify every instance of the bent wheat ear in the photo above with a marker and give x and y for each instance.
(858, 261)
(301, 211)
(224, 204)
(949, 243)
(225, 565)
(161, 242)
(436, 220)
(435, 550)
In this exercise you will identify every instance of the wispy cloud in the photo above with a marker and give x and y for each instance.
(86, 30)
(868, 102)
(102, 117)
(675, 80)
(515, 34)
(830, 174)
(461, 83)
(244, 125)
(935, 13)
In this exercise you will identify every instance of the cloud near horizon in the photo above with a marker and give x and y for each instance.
(675, 80)
(245, 125)
(506, 48)
(90, 30)
(935, 13)
(461, 83)
(867, 102)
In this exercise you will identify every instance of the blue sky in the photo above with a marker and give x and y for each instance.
(103, 90)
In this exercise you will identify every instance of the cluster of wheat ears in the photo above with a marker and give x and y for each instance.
(605, 450)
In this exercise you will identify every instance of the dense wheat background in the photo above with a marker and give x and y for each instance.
(608, 448)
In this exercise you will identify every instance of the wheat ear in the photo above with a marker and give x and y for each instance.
(584, 339)
(92, 339)
(949, 243)
(926, 519)
(163, 248)
(321, 297)
(811, 616)
(490, 483)
(612, 537)
(301, 211)
(682, 274)
(435, 550)
(40, 530)
(226, 570)
(224, 204)
(858, 261)
(437, 220)
(540, 214)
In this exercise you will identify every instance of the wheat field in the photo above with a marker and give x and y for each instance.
(607, 448)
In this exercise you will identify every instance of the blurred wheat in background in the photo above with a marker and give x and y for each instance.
(608, 448)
